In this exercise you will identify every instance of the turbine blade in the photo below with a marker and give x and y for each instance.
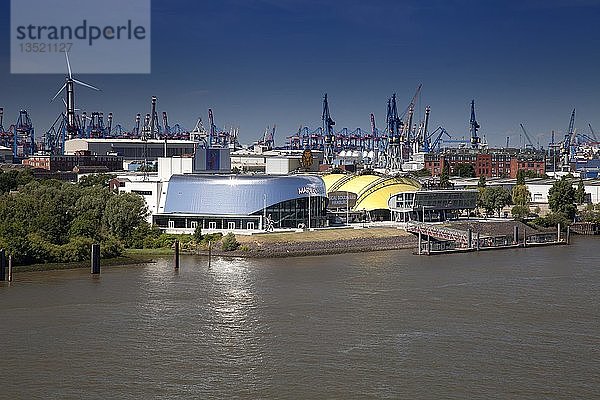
(57, 93)
(86, 84)
(68, 64)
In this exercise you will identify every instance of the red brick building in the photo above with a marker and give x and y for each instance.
(491, 163)
(78, 162)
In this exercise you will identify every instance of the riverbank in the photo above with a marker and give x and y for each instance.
(306, 243)
(127, 259)
(319, 242)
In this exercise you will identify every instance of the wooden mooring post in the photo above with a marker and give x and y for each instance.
(515, 234)
(95, 259)
(420, 243)
(2, 265)
(10, 262)
(209, 253)
(428, 244)
(558, 232)
(567, 236)
(176, 254)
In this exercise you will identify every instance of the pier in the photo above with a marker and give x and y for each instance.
(437, 239)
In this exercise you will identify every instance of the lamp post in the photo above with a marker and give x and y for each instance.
(264, 221)
(347, 208)
(309, 196)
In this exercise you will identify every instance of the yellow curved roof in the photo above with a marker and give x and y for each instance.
(379, 188)
(379, 198)
(331, 179)
(358, 183)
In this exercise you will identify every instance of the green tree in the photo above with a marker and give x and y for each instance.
(13, 179)
(123, 213)
(561, 198)
(520, 212)
(520, 177)
(580, 192)
(198, 234)
(520, 198)
(481, 183)
(495, 198)
(445, 176)
(521, 195)
(464, 170)
(96, 180)
(421, 173)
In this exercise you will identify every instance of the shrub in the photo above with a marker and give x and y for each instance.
(198, 234)
(229, 243)
(552, 219)
(520, 212)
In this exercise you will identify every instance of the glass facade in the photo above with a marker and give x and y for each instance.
(295, 213)
(288, 214)
(434, 205)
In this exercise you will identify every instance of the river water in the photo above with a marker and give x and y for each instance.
(505, 324)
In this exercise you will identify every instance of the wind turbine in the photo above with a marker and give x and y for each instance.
(69, 86)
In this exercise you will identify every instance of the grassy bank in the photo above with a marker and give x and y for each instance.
(128, 259)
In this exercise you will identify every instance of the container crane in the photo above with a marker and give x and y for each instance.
(23, 136)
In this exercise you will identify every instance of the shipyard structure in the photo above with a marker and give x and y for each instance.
(320, 176)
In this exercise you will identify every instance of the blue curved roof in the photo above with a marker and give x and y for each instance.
(236, 194)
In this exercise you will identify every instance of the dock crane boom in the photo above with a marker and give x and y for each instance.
(527, 136)
(593, 133)
(568, 142)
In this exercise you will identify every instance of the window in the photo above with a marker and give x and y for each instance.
(171, 224)
(212, 225)
(193, 224)
(250, 225)
(231, 226)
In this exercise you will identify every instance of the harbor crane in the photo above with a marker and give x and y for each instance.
(394, 130)
(527, 136)
(593, 133)
(568, 145)
(329, 137)
(435, 145)
(473, 127)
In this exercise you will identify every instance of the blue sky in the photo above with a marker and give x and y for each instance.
(265, 62)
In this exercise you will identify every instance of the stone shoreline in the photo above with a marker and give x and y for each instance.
(319, 248)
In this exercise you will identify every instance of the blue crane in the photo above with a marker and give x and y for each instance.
(429, 146)
(593, 133)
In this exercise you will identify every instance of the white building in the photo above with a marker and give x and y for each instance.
(540, 189)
